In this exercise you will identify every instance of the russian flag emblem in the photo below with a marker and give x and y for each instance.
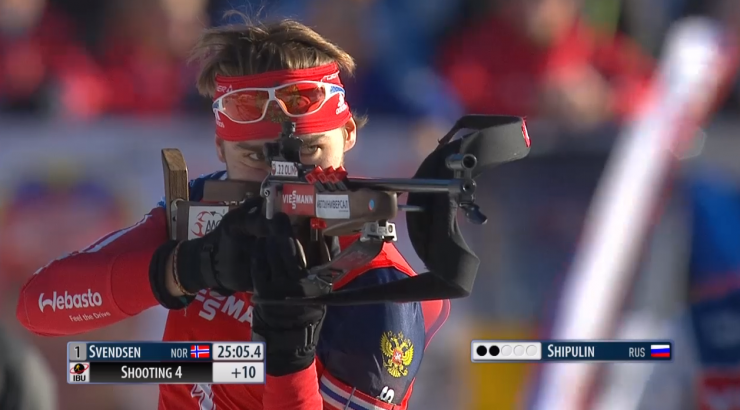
(660, 351)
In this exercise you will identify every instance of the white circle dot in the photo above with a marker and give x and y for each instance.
(506, 350)
(531, 350)
(519, 350)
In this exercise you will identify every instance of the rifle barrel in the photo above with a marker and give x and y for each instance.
(401, 184)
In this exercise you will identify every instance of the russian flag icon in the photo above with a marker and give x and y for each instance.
(660, 351)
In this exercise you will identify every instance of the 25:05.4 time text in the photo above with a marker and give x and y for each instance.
(239, 351)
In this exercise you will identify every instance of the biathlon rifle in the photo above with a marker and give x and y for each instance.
(339, 205)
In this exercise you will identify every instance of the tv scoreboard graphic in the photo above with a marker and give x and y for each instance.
(487, 351)
(166, 362)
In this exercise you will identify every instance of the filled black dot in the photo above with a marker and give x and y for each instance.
(481, 350)
(494, 350)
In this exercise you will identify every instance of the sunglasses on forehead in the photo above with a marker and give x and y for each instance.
(248, 105)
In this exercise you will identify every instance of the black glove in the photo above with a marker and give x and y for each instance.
(219, 260)
(279, 270)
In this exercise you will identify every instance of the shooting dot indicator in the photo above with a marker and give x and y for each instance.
(505, 350)
(371, 204)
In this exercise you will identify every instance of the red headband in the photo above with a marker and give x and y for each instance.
(330, 116)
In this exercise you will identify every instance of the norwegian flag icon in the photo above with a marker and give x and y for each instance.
(200, 352)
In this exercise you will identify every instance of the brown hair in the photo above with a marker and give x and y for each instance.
(255, 48)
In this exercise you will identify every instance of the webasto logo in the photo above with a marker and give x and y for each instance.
(68, 301)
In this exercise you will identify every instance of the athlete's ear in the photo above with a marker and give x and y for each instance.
(350, 134)
(220, 149)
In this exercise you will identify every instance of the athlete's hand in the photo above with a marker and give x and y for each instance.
(279, 270)
(219, 260)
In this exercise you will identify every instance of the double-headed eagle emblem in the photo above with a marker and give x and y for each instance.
(398, 352)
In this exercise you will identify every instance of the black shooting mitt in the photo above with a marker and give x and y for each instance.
(280, 269)
(219, 260)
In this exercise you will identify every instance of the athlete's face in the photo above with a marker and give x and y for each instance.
(245, 160)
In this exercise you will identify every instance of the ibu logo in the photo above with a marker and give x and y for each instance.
(79, 372)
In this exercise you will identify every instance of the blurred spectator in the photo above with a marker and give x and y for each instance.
(137, 67)
(538, 58)
(729, 12)
(646, 21)
(603, 15)
(400, 77)
(39, 51)
(42, 218)
(86, 16)
(144, 49)
(401, 80)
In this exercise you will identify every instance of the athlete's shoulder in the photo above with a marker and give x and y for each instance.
(196, 185)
